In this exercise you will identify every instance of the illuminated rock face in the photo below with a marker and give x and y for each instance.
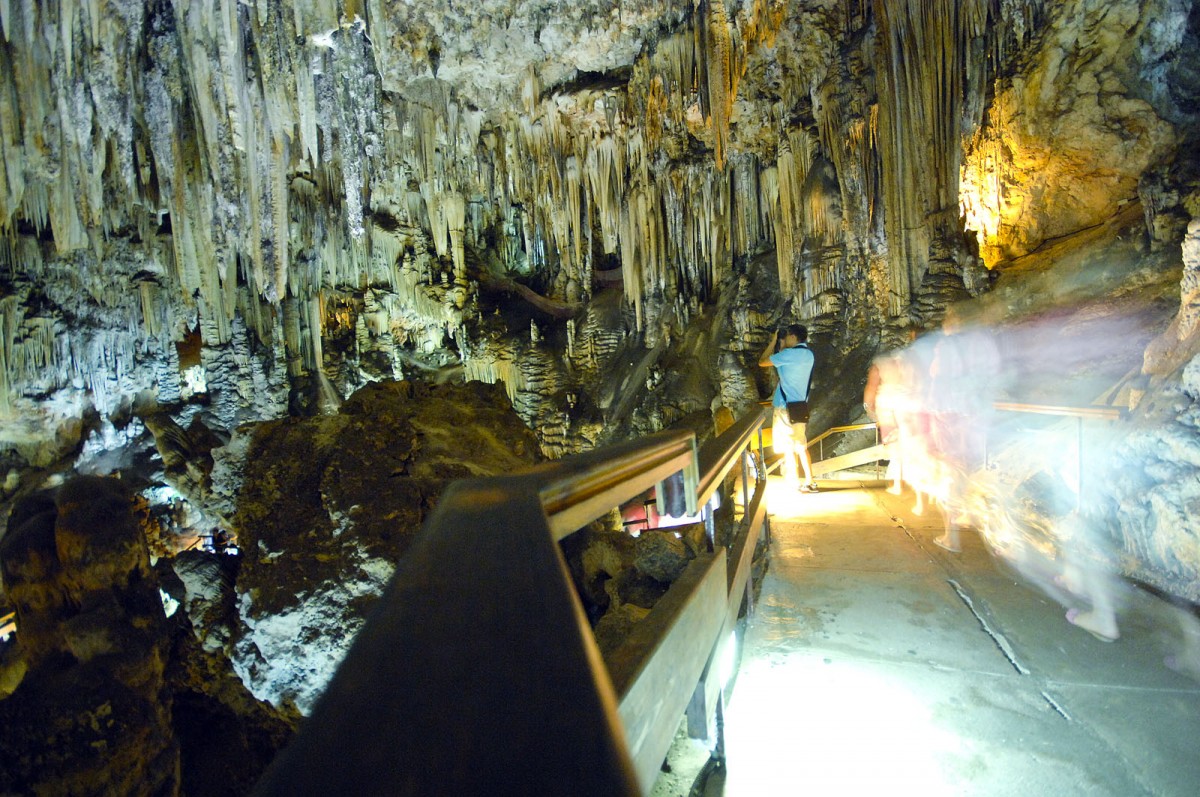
(1070, 133)
(330, 504)
(238, 211)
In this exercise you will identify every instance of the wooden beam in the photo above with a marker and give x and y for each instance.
(741, 558)
(656, 670)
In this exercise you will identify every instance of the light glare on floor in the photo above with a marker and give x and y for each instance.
(798, 724)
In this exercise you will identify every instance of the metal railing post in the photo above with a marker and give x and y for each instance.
(710, 527)
(1079, 462)
(745, 481)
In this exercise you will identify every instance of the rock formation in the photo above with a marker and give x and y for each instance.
(101, 696)
(214, 215)
(330, 504)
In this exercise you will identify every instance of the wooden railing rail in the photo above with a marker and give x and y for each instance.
(1095, 413)
(719, 455)
(477, 671)
(577, 490)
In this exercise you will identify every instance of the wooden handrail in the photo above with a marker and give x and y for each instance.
(719, 455)
(577, 490)
(477, 671)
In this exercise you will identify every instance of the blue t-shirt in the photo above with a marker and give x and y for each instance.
(794, 366)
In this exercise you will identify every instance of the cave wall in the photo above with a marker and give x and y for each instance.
(242, 210)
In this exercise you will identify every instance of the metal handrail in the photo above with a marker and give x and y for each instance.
(477, 670)
(836, 429)
(1096, 413)
(1080, 414)
(819, 440)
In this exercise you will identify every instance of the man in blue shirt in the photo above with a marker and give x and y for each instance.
(789, 354)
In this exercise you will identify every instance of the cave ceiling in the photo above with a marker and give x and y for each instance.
(261, 203)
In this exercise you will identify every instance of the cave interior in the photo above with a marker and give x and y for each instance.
(272, 276)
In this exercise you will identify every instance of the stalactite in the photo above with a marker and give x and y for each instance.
(9, 322)
(721, 77)
(152, 305)
(267, 166)
(455, 212)
(782, 233)
(931, 92)
(863, 144)
(292, 338)
(494, 366)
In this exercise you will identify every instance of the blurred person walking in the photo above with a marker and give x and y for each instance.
(965, 376)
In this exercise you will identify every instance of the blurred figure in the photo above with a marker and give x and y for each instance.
(1186, 660)
(923, 471)
(965, 375)
(895, 398)
(1088, 578)
(885, 397)
(885, 428)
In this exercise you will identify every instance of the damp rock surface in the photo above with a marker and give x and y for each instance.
(106, 690)
(329, 505)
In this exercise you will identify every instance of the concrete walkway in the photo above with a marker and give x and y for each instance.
(877, 663)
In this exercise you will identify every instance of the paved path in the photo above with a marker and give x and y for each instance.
(876, 663)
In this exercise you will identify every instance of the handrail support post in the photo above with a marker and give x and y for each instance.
(710, 527)
(1079, 464)
(745, 483)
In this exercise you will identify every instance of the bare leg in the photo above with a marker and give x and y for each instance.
(950, 538)
(790, 477)
(1187, 659)
(895, 469)
(805, 462)
(784, 442)
(1101, 620)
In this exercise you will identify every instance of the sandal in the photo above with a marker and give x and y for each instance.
(945, 546)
